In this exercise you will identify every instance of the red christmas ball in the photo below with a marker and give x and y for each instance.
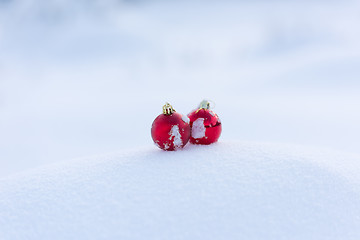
(205, 125)
(170, 130)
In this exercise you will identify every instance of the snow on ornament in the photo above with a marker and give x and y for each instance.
(170, 130)
(205, 125)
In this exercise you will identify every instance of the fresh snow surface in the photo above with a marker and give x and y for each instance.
(228, 190)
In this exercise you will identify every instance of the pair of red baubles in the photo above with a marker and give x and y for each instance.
(171, 130)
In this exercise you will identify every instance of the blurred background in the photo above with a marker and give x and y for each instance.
(80, 78)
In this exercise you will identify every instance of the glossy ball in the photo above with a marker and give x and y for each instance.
(205, 126)
(170, 132)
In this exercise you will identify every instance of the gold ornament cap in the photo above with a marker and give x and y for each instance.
(168, 109)
(205, 104)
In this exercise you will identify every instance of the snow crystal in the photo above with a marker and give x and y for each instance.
(198, 128)
(166, 146)
(175, 136)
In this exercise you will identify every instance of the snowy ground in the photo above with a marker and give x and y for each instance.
(230, 190)
(84, 78)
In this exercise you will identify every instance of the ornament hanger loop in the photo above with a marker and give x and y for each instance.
(206, 104)
(168, 109)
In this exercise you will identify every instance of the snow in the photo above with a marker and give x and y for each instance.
(185, 119)
(175, 136)
(229, 190)
(198, 128)
(83, 78)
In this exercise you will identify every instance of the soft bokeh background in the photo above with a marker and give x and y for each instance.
(79, 78)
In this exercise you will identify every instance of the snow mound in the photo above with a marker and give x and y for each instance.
(223, 191)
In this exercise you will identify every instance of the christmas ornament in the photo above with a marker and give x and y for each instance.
(170, 130)
(205, 125)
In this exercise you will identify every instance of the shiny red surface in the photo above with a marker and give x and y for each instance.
(161, 131)
(212, 125)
